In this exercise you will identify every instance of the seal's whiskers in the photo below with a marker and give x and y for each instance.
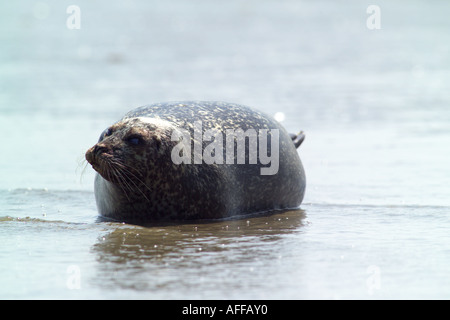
(127, 177)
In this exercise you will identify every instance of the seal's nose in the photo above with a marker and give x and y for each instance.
(89, 155)
(99, 149)
(92, 153)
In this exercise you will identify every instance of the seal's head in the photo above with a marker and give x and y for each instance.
(131, 155)
(128, 147)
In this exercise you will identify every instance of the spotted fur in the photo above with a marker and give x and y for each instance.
(137, 179)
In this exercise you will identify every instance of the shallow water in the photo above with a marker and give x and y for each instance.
(373, 103)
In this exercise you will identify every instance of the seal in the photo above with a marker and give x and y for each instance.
(195, 160)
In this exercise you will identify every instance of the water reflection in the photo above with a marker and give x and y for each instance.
(176, 257)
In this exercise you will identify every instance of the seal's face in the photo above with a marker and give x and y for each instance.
(127, 149)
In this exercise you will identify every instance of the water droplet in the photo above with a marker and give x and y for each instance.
(279, 116)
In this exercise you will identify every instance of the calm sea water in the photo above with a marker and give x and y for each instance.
(374, 105)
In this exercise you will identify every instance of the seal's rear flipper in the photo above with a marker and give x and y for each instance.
(298, 138)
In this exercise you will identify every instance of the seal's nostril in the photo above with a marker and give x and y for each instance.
(98, 149)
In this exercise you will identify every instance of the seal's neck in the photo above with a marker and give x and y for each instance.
(107, 196)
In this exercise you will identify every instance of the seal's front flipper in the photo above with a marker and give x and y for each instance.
(298, 138)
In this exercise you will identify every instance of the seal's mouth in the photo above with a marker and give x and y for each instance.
(110, 167)
(115, 171)
(99, 160)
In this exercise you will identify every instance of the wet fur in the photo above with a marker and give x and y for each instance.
(142, 183)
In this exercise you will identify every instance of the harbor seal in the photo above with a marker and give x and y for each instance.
(195, 160)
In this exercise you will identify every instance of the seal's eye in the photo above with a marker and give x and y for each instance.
(135, 140)
(104, 134)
